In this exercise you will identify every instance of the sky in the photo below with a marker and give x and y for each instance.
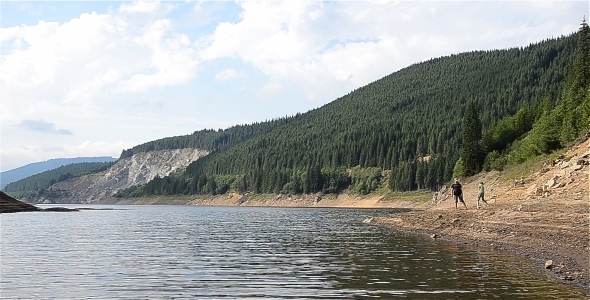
(84, 78)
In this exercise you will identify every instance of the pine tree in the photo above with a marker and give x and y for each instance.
(471, 154)
(576, 116)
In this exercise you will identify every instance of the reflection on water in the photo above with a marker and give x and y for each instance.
(180, 252)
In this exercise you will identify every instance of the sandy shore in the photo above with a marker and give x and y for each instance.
(233, 199)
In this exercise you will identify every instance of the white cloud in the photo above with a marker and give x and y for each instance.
(287, 41)
(171, 61)
(343, 45)
(144, 7)
(73, 62)
(226, 75)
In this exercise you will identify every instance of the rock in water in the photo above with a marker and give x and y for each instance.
(61, 209)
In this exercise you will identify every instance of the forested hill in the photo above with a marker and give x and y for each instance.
(207, 139)
(25, 171)
(44, 180)
(408, 122)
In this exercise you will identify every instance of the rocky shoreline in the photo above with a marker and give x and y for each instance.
(544, 216)
(569, 265)
(281, 200)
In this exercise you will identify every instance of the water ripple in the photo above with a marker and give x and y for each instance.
(177, 252)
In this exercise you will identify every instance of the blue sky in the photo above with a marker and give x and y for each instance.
(93, 78)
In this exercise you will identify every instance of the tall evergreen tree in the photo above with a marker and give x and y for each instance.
(576, 115)
(471, 153)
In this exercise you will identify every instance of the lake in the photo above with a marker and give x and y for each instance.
(191, 252)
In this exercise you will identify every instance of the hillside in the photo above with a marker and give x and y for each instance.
(206, 139)
(25, 171)
(44, 180)
(390, 124)
(541, 213)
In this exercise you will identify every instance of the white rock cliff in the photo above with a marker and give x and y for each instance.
(135, 170)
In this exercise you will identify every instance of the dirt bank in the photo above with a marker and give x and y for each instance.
(543, 216)
(234, 199)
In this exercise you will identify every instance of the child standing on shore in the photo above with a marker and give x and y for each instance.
(481, 194)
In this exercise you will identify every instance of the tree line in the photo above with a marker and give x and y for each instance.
(534, 130)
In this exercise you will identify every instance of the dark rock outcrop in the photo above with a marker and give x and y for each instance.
(10, 205)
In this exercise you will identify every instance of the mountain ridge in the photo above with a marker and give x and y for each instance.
(27, 170)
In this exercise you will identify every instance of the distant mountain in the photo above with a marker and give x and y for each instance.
(25, 171)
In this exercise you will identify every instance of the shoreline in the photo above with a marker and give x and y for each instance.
(566, 267)
(281, 200)
(540, 212)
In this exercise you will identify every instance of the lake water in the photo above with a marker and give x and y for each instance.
(189, 252)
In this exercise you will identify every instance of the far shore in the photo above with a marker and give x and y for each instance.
(419, 201)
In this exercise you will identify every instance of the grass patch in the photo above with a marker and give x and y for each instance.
(530, 166)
